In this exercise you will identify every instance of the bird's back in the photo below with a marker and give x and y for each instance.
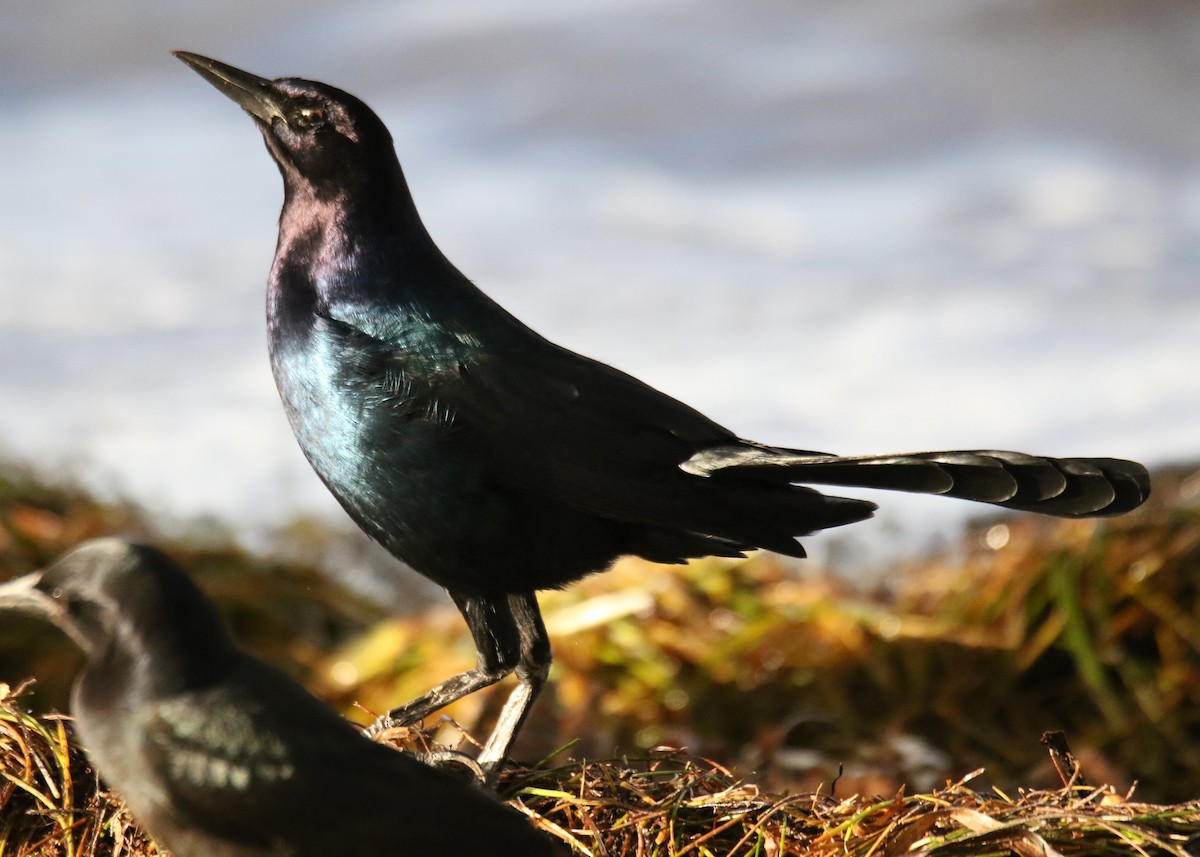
(254, 766)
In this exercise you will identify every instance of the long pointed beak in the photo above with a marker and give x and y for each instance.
(21, 595)
(256, 95)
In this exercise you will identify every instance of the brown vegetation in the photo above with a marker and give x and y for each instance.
(781, 673)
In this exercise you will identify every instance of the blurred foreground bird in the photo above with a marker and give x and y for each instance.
(497, 463)
(218, 755)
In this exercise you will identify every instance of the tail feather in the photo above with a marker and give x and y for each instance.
(1129, 479)
(1065, 487)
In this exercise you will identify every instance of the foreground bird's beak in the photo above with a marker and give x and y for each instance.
(21, 595)
(256, 95)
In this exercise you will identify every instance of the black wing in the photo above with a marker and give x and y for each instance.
(565, 428)
(256, 760)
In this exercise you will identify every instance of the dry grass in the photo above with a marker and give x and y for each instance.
(667, 805)
(50, 802)
(677, 805)
(784, 672)
(781, 673)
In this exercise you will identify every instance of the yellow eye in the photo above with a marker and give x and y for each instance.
(307, 118)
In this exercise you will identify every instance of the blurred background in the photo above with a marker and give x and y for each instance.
(859, 227)
(862, 226)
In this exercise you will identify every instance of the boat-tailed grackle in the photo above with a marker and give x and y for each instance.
(219, 755)
(497, 463)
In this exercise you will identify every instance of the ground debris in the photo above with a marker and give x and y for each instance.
(674, 804)
(666, 804)
(782, 674)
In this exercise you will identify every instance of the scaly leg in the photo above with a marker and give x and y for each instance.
(499, 642)
(532, 670)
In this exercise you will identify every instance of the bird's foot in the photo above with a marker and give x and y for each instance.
(405, 736)
(383, 723)
(443, 757)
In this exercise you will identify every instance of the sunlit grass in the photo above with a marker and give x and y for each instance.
(782, 673)
(49, 800)
(666, 804)
(962, 661)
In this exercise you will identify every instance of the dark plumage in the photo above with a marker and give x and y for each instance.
(219, 755)
(496, 463)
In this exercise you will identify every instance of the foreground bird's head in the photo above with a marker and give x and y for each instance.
(128, 607)
(325, 141)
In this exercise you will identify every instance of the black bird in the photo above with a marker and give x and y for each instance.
(219, 755)
(497, 463)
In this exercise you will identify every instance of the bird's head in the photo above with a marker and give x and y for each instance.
(325, 140)
(127, 601)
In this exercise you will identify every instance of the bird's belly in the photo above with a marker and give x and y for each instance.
(420, 490)
(423, 487)
(404, 481)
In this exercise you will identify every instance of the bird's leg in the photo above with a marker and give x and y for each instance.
(448, 691)
(532, 671)
(499, 644)
(443, 757)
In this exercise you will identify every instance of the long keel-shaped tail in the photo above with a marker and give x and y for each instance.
(1066, 487)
